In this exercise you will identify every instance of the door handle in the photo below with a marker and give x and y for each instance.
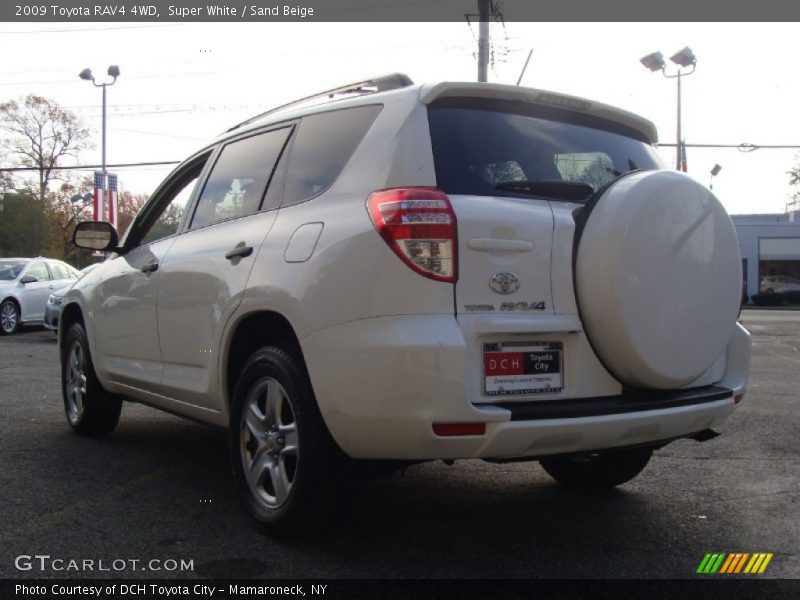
(150, 267)
(500, 245)
(239, 251)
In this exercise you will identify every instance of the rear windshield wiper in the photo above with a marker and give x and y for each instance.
(574, 191)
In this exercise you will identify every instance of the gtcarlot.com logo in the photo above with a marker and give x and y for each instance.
(732, 563)
(45, 562)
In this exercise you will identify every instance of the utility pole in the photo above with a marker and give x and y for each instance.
(485, 9)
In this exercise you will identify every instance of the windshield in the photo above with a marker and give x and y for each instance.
(481, 146)
(10, 269)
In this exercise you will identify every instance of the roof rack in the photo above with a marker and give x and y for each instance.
(384, 83)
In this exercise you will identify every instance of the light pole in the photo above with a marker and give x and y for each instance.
(683, 58)
(86, 74)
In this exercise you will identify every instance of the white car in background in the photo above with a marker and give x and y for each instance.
(779, 284)
(25, 285)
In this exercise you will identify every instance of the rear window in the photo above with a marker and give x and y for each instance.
(322, 146)
(478, 144)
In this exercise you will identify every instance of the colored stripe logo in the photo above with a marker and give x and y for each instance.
(734, 562)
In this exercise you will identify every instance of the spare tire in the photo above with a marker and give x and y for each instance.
(658, 277)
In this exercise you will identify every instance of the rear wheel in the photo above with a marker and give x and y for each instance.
(90, 409)
(290, 472)
(9, 317)
(597, 472)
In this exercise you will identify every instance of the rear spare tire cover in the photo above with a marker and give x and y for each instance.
(658, 279)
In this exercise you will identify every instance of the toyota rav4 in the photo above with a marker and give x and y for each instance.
(390, 273)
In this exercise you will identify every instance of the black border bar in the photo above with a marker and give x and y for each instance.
(700, 586)
(627, 402)
(195, 11)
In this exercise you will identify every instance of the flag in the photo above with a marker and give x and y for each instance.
(98, 197)
(112, 200)
(684, 165)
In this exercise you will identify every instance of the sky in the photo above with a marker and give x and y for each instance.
(182, 84)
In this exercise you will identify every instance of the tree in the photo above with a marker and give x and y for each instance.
(39, 133)
(21, 232)
(794, 181)
(128, 206)
(62, 214)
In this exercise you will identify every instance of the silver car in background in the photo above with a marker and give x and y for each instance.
(53, 309)
(25, 285)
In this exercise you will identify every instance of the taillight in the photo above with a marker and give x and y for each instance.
(419, 224)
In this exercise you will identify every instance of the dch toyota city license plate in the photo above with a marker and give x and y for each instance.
(516, 368)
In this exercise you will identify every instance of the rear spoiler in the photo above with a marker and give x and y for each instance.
(447, 89)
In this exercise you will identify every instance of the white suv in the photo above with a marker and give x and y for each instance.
(392, 273)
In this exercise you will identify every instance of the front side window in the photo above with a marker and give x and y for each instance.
(173, 206)
(10, 269)
(322, 146)
(239, 178)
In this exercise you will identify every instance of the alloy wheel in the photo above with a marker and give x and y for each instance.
(76, 382)
(9, 317)
(269, 443)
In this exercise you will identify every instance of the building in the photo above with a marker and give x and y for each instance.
(770, 247)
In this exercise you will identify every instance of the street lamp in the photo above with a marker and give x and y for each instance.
(86, 74)
(685, 59)
(714, 172)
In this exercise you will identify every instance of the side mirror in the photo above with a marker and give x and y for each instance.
(95, 235)
(29, 279)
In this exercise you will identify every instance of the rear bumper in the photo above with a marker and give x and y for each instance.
(382, 383)
(630, 401)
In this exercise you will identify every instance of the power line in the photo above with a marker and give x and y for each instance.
(159, 134)
(92, 167)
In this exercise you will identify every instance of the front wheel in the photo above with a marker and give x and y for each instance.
(597, 472)
(9, 317)
(289, 471)
(90, 409)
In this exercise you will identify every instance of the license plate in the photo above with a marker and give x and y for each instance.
(516, 368)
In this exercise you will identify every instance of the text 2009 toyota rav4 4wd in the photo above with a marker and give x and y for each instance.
(407, 273)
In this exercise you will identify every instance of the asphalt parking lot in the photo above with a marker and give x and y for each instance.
(160, 488)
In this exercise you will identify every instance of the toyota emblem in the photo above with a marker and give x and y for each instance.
(504, 283)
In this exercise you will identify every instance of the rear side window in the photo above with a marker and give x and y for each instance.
(239, 178)
(480, 144)
(38, 269)
(323, 145)
(59, 272)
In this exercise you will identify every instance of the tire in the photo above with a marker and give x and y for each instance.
(9, 317)
(290, 473)
(597, 472)
(90, 409)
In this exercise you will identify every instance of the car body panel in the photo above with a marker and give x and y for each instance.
(121, 310)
